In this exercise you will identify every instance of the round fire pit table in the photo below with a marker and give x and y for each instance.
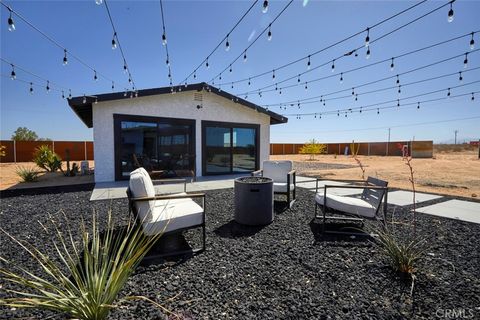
(254, 200)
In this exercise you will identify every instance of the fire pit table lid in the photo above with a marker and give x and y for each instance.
(253, 180)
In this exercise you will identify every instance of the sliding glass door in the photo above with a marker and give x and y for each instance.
(157, 144)
(229, 147)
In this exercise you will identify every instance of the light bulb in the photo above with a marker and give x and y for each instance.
(186, 84)
(473, 97)
(273, 74)
(367, 38)
(341, 77)
(450, 13)
(11, 24)
(378, 111)
(265, 6)
(298, 79)
(472, 43)
(276, 86)
(249, 82)
(63, 95)
(95, 75)
(398, 102)
(269, 32)
(368, 53)
(398, 80)
(84, 99)
(113, 85)
(164, 39)
(207, 64)
(114, 43)
(333, 65)
(98, 2)
(418, 105)
(48, 86)
(31, 88)
(220, 77)
(129, 80)
(69, 94)
(65, 60)
(306, 86)
(392, 66)
(232, 85)
(356, 97)
(448, 93)
(245, 56)
(227, 44)
(194, 75)
(460, 77)
(13, 75)
(399, 88)
(353, 91)
(308, 63)
(465, 61)
(124, 67)
(230, 68)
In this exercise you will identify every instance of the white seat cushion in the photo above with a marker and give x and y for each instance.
(141, 186)
(173, 214)
(277, 170)
(347, 204)
(282, 187)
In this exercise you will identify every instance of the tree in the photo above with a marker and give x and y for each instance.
(24, 134)
(312, 148)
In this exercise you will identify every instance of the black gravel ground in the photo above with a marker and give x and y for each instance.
(285, 270)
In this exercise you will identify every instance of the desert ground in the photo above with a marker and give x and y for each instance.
(451, 171)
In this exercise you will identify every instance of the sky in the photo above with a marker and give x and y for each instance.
(193, 30)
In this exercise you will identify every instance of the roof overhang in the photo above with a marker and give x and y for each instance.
(84, 110)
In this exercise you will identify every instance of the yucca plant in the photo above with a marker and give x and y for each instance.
(27, 174)
(84, 278)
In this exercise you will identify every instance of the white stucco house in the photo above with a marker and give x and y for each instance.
(198, 131)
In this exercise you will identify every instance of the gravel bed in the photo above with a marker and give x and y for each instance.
(286, 270)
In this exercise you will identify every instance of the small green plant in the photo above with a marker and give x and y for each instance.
(82, 280)
(312, 148)
(27, 174)
(46, 159)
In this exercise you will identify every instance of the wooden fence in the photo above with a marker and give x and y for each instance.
(418, 149)
(22, 151)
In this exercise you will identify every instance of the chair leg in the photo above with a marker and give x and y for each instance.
(204, 237)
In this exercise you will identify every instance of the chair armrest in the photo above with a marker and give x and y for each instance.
(292, 172)
(172, 196)
(355, 187)
(172, 181)
(255, 173)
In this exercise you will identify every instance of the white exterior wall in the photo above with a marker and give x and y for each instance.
(178, 105)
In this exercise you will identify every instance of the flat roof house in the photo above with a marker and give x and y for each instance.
(199, 130)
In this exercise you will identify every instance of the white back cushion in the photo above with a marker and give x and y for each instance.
(277, 170)
(141, 186)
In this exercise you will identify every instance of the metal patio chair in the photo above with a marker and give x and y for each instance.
(283, 176)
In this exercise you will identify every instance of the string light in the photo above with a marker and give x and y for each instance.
(113, 85)
(308, 63)
(230, 68)
(273, 74)
(98, 2)
(367, 38)
(65, 60)
(124, 66)
(398, 80)
(333, 65)
(399, 88)
(398, 102)
(206, 64)
(353, 91)
(249, 82)
(245, 56)
(31, 88)
(378, 110)
(472, 43)
(164, 39)
(367, 56)
(227, 44)
(84, 99)
(13, 75)
(306, 86)
(392, 66)
(360, 110)
(465, 61)
(48, 86)
(63, 95)
(473, 97)
(95, 75)
(265, 6)
(194, 75)
(269, 32)
(276, 87)
(298, 79)
(450, 12)
(341, 77)
(114, 43)
(460, 77)
(11, 23)
(448, 93)
(356, 97)
(69, 94)
(418, 105)
(232, 85)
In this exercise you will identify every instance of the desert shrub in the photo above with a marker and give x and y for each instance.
(46, 159)
(27, 174)
(83, 278)
(313, 148)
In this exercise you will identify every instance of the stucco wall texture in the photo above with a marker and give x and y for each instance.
(179, 105)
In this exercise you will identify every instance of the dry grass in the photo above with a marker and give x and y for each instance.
(452, 173)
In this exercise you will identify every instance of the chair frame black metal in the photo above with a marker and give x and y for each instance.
(291, 177)
(350, 217)
(133, 210)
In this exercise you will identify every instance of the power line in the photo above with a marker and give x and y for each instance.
(253, 42)
(56, 43)
(332, 45)
(221, 41)
(115, 35)
(371, 82)
(315, 99)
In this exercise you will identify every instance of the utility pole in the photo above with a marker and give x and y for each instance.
(456, 131)
(388, 143)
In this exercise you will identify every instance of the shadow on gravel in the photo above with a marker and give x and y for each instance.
(280, 206)
(319, 236)
(234, 230)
